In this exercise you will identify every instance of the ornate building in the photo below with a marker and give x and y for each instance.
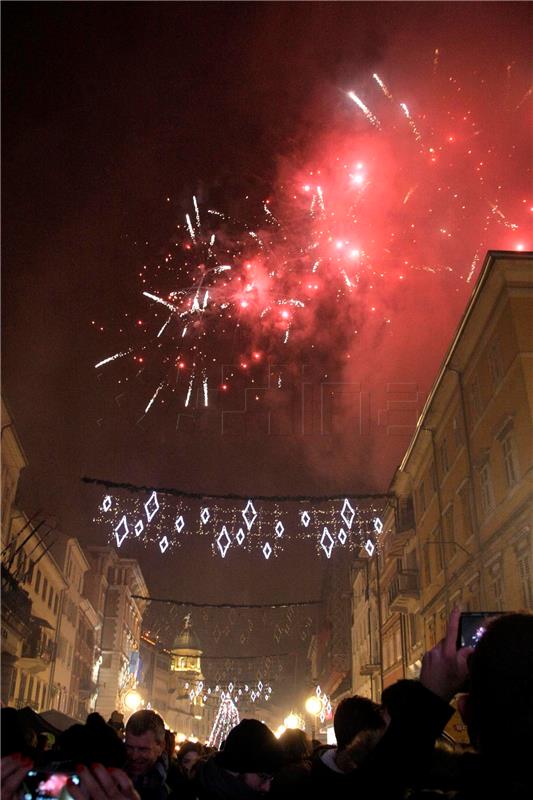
(460, 529)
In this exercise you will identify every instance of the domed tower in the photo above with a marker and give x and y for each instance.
(186, 653)
(187, 682)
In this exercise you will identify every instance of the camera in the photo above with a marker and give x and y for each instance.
(472, 626)
(49, 782)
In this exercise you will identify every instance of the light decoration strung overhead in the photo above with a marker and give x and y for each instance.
(226, 719)
(327, 542)
(249, 514)
(170, 521)
(326, 709)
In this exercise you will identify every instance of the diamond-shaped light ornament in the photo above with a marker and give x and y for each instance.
(240, 536)
(107, 502)
(378, 525)
(230, 688)
(139, 527)
(253, 696)
(326, 542)
(163, 544)
(121, 531)
(223, 541)
(305, 518)
(179, 524)
(341, 536)
(249, 514)
(151, 507)
(279, 528)
(267, 551)
(260, 686)
(370, 547)
(205, 515)
(347, 513)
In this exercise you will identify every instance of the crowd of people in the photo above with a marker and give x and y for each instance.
(386, 751)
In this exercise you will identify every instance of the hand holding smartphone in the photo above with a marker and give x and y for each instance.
(50, 782)
(472, 626)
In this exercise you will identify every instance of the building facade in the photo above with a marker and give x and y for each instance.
(459, 530)
(112, 586)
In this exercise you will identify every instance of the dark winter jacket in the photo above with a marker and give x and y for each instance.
(392, 766)
(212, 782)
(152, 785)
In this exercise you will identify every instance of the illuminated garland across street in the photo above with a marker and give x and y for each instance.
(255, 692)
(254, 524)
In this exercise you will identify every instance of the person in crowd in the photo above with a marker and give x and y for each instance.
(94, 742)
(498, 710)
(293, 777)
(116, 721)
(358, 725)
(45, 741)
(179, 768)
(188, 755)
(170, 745)
(244, 768)
(16, 737)
(146, 760)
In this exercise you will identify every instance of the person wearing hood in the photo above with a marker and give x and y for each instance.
(245, 767)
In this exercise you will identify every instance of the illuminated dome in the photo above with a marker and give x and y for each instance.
(187, 640)
(186, 650)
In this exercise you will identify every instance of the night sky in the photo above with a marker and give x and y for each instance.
(116, 114)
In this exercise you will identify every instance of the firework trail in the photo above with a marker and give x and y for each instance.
(372, 207)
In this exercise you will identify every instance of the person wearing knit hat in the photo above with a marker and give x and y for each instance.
(244, 767)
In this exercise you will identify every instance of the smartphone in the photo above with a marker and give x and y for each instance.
(50, 782)
(472, 626)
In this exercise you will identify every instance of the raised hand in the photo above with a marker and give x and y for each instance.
(101, 783)
(444, 668)
(14, 769)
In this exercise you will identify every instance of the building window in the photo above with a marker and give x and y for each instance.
(413, 628)
(466, 509)
(496, 585)
(457, 432)
(50, 597)
(422, 498)
(433, 476)
(495, 364)
(487, 491)
(444, 457)
(38, 580)
(427, 564)
(45, 588)
(29, 576)
(475, 399)
(22, 687)
(524, 571)
(438, 547)
(449, 532)
(509, 458)
(56, 604)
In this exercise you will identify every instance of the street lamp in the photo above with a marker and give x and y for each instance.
(313, 707)
(292, 721)
(132, 700)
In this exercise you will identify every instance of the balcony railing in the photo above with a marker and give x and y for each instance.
(87, 687)
(20, 702)
(38, 648)
(404, 591)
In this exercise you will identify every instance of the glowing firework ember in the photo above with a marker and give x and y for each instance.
(390, 195)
